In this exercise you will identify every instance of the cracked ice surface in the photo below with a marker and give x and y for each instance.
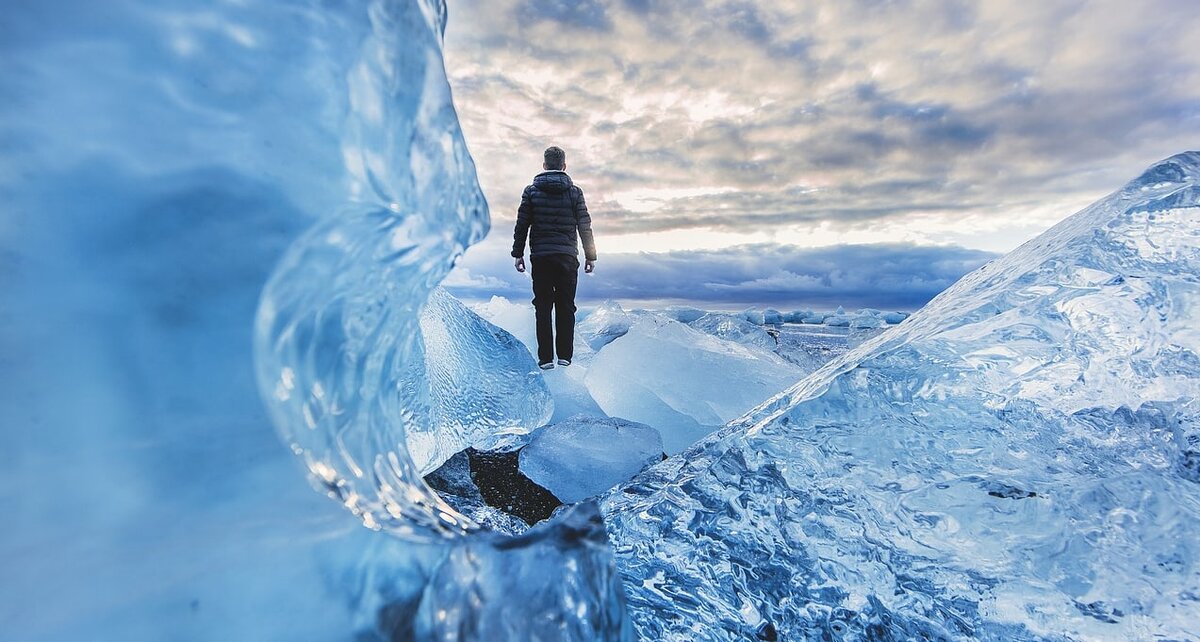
(1014, 462)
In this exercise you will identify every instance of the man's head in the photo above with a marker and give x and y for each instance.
(555, 158)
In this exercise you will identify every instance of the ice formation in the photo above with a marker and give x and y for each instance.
(484, 386)
(515, 318)
(1014, 462)
(585, 455)
(160, 160)
(157, 162)
(797, 316)
(608, 322)
(664, 374)
(683, 313)
(757, 317)
(734, 328)
(566, 385)
(357, 393)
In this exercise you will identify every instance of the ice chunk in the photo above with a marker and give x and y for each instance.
(1009, 463)
(797, 316)
(894, 317)
(609, 321)
(485, 387)
(734, 328)
(772, 317)
(566, 385)
(683, 314)
(753, 316)
(516, 318)
(586, 455)
(555, 581)
(838, 319)
(683, 382)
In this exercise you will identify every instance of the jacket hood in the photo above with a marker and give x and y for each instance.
(552, 182)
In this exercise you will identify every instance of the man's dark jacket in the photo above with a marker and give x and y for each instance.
(553, 207)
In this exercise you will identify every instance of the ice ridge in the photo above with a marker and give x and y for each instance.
(1016, 461)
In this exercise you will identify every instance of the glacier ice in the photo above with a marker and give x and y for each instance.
(663, 373)
(586, 455)
(796, 316)
(757, 317)
(1013, 462)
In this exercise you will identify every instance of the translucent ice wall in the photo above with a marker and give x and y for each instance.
(1016, 461)
(338, 346)
(160, 163)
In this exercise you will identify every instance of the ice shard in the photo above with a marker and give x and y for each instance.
(1016, 461)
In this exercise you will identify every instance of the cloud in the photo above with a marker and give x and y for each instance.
(895, 276)
(833, 115)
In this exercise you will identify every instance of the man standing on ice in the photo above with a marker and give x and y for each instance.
(553, 215)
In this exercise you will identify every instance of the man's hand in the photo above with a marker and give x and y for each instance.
(519, 263)
(588, 266)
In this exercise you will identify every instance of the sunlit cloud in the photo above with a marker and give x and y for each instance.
(709, 124)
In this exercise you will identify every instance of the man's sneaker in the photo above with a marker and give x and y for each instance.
(564, 362)
(549, 365)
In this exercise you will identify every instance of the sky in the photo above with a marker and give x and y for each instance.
(864, 153)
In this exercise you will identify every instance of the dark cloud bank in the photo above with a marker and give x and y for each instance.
(892, 276)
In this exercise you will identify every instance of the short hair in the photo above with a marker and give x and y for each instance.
(555, 157)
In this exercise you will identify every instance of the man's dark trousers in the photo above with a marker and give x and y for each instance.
(554, 279)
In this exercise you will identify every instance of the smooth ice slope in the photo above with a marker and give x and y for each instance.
(586, 455)
(684, 382)
(1011, 463)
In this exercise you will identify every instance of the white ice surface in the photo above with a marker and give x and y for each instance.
(583, 455)
(683, 382)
